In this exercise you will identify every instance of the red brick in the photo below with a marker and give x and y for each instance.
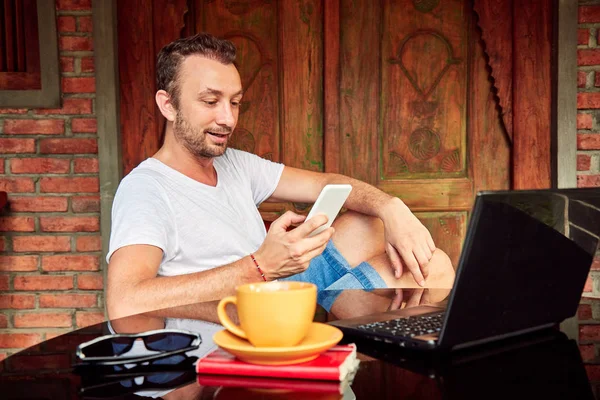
(75, 43)
(2, 243)
(13, 110)
(17, 301)
(89, 243)
(43, 282)
(75, 5)
(596, 79)
(87, 64)
(8, 146)
(79, 85)
(43, 320)
(41, 243)
(83, 125)
(70, 263)
(85, 165)
(17, 224)
(588, 100)
(3, 282)
(18, 263)
(19, 340)
(67, 64)
(70, 224)
(38, 204)
(596, 264)
(588, 141)
(589, 332)
(87, 318)
(85, 204)
(588, 57)
(587, 351)
(90, 282)
(85, 24)
(589, 284)
(588, 181)
(17, 185)
(3, 324)
(583, 162)
(589, 14)
(68, 300)
(34, 126)
(40, 165)
(68, 146)
(69, 185)
(583, 36)
(70, 106)
(584, 121)
(66, 24)
(584, 312)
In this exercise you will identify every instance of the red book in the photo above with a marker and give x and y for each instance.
(334, 364)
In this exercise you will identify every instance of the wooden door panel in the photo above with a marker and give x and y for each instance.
(424, 90)
(448, 229)
(489, 143)
(359, 89)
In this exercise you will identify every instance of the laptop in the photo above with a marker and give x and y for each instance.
(523, 266)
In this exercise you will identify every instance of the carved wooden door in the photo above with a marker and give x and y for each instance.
(396, 93)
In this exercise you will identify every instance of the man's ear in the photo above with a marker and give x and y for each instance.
(163, 100)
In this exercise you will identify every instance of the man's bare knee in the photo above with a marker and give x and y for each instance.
(358, 237)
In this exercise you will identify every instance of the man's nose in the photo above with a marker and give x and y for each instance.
(226, 115)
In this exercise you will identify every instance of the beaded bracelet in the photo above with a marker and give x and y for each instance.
(258, 267)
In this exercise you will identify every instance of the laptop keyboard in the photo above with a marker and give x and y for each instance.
(407, 326)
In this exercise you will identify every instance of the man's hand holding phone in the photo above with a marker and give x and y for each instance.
(285, 253)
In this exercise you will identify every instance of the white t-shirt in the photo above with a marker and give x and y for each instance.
(197, 226)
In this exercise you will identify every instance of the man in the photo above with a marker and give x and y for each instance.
(186, 227)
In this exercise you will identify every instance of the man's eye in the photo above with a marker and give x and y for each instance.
(235, 103)
(210, 102)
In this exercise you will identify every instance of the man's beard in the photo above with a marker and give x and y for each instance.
(195, 141)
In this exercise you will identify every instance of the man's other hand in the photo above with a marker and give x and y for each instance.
(407, 240)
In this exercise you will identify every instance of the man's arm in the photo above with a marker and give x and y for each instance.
(406, 237)
(133, 285)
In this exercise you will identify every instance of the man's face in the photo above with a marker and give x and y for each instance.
(208, 109)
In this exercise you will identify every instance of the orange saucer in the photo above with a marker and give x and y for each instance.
(320, 337)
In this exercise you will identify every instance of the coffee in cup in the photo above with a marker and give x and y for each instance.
(271, 314)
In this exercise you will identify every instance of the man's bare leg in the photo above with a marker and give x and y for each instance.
(361, 238)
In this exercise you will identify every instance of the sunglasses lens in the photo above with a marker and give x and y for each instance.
(168, 341)
(107, 348)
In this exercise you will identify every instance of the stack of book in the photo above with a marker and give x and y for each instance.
(331, 372)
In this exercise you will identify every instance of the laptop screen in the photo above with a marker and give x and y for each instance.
(524, 262)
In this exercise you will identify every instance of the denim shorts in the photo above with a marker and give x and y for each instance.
(332, 274)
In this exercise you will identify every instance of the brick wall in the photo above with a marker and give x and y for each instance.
(50, 281)
(588, 170)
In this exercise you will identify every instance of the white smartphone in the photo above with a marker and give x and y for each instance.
(330, 202)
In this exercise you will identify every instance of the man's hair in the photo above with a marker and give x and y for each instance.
(172, 55)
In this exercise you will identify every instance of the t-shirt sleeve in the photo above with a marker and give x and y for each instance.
(263, 174)
(141, 214)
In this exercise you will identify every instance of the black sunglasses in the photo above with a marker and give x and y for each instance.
(112, 349)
